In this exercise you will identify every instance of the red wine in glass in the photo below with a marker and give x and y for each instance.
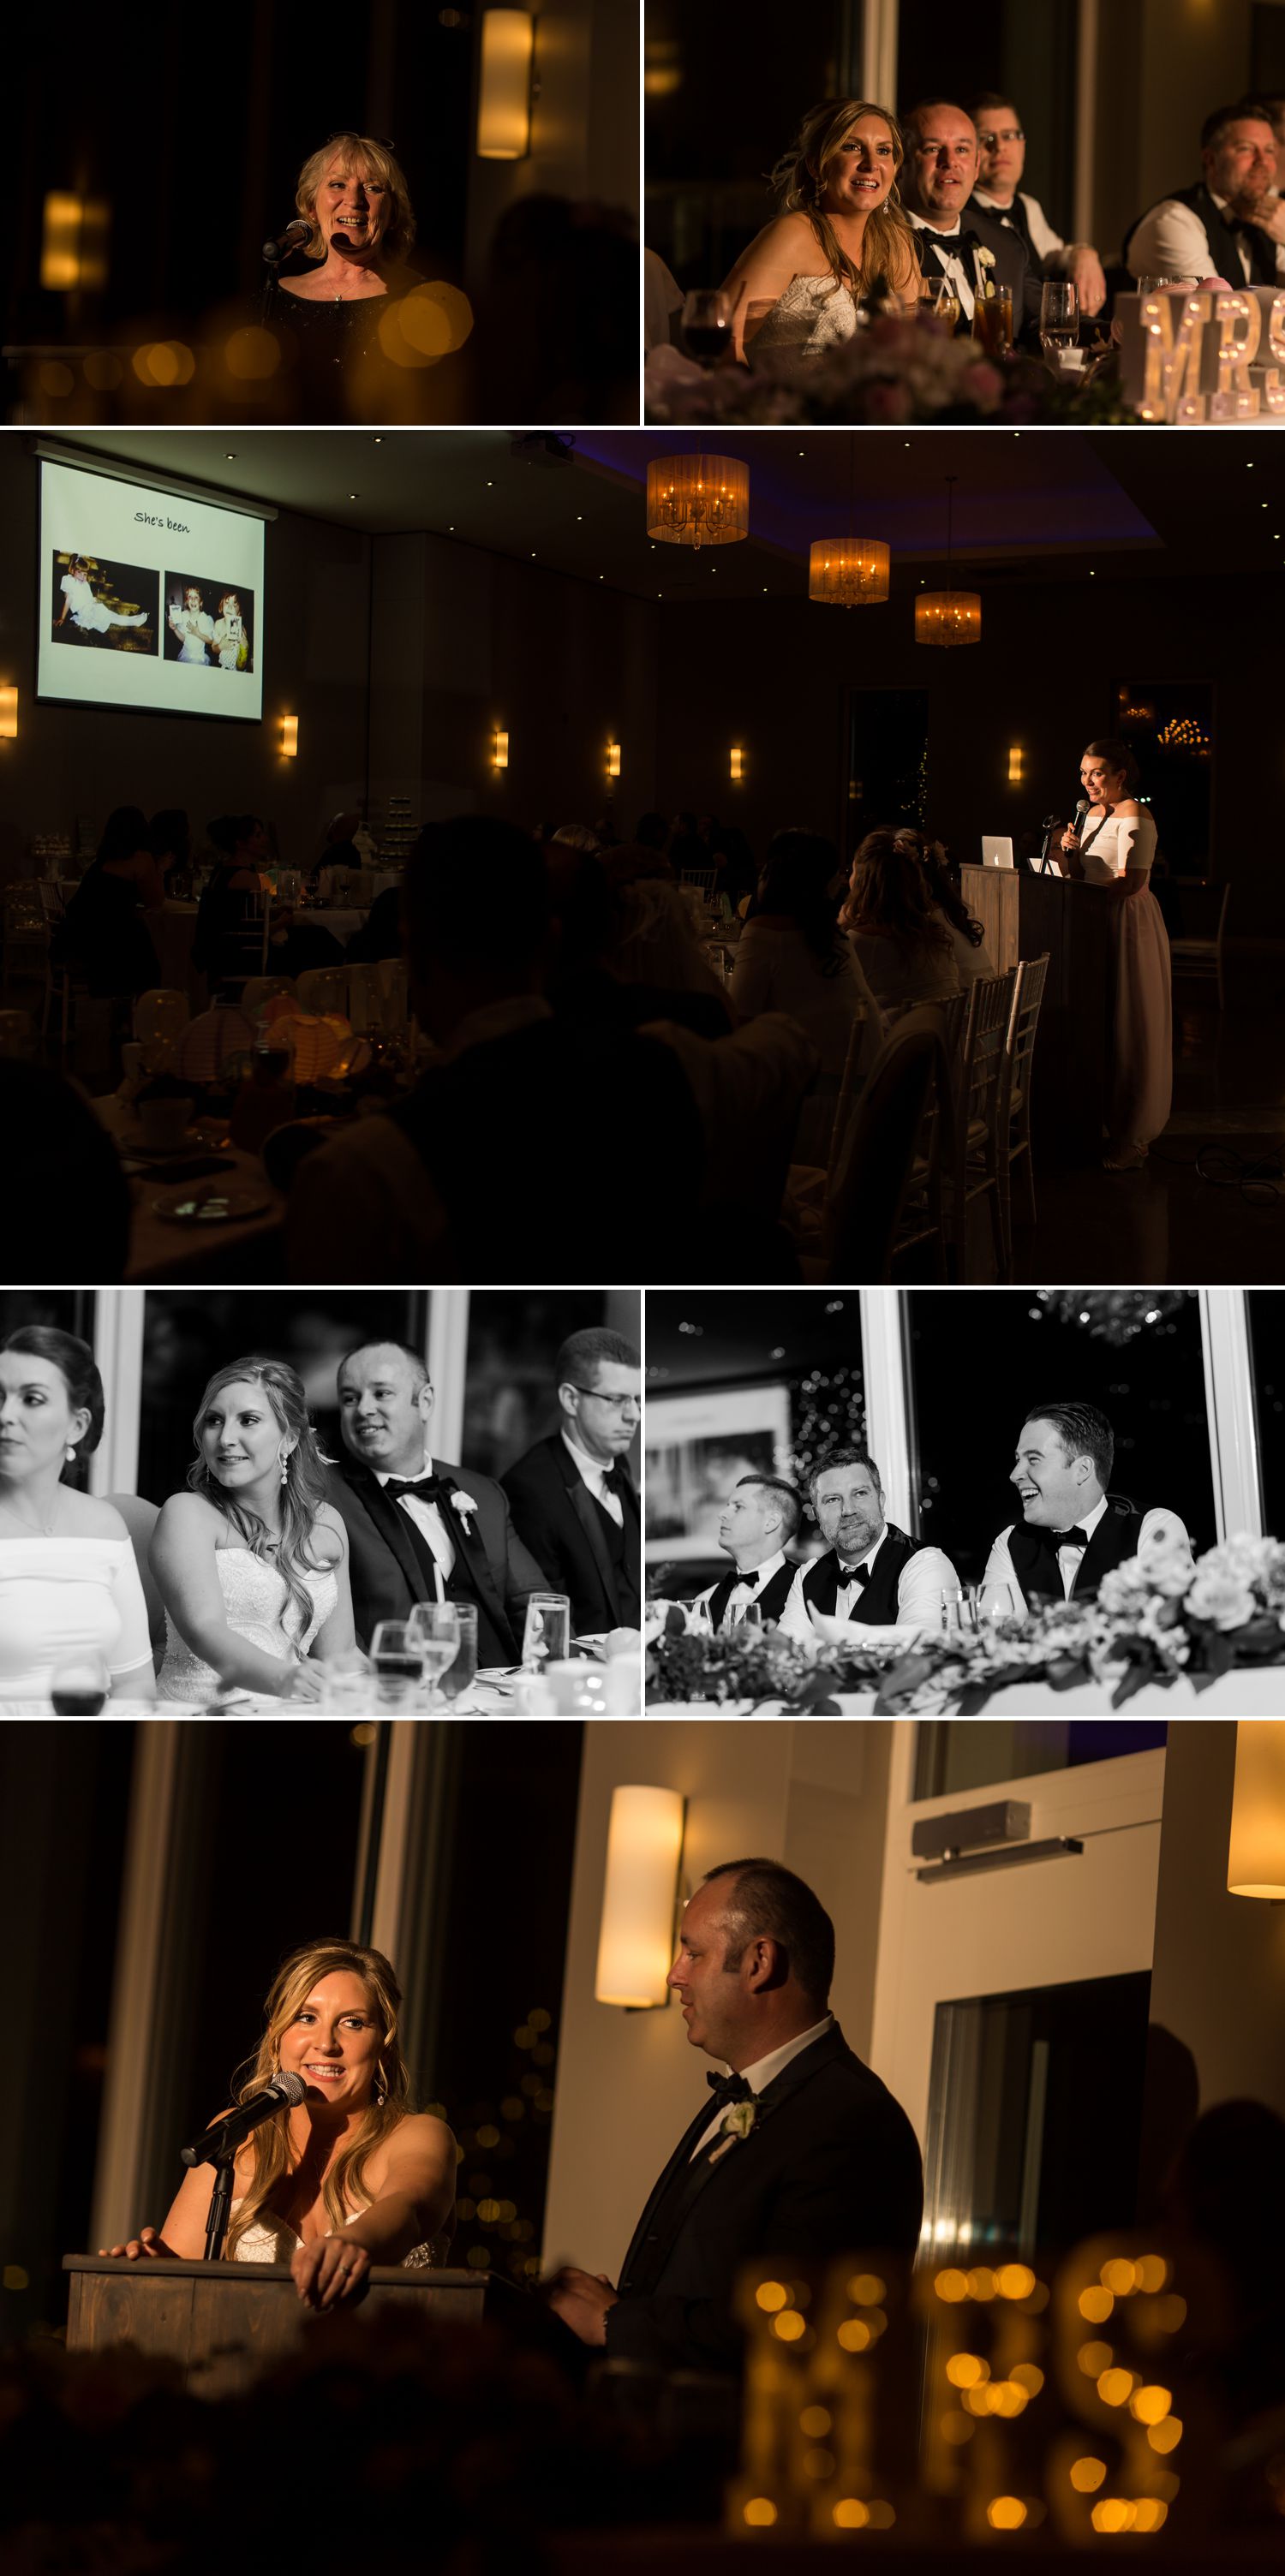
(707, 324)
(77, 1703)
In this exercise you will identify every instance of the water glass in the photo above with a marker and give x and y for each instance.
(547, 1636)
(956, 1617)
(1059, 315)
(995, 1605)
(434, 1628)
(461, 1672)
(749, 1615)
(398, 1660)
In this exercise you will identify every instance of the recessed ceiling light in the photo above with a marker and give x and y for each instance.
(451, 529)
(490, 485)
(230, 453)
(378, 439)
(1249, 465)
(354, 496)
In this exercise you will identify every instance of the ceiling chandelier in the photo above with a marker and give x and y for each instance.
(948, 616)
(698, 500)
(849, 572)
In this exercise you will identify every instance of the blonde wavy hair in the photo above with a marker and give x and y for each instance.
(888, 242)
(390, 2103)
(361, 155)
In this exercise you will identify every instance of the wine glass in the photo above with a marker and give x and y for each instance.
(435, 1628)
(995, 1605)
(547, 1636)
(79, 1684)
(956, 1615)
(707, 324)
(1059, 315)
(750, 1615)
(398, 1661)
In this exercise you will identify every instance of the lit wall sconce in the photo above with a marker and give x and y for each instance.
(1016, 758)
(639, 1898)
(73, 248)
(737, 760)
(499, 749)
(613, 760)
(1256, 1852)
(504, 89)
(289, 737)
(8, 715)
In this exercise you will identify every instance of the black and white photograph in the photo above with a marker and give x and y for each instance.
(208, 624)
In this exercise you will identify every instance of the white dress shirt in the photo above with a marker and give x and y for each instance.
(430, 1521)
(761, 2073)
(1171, 241)
(592, 1472)
(920, 1584)
(747, 1587)
(1156, 1525)
(1044, 241)
(955, 260)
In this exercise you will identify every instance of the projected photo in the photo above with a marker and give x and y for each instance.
(208, 622)
(97, 601)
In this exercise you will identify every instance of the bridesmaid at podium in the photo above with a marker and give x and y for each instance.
(350, 2176)
(1115, 848)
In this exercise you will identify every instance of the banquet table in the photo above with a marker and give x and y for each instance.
(159, 1248)
(1259, 1692)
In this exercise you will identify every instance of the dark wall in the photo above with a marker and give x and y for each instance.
(775, 678)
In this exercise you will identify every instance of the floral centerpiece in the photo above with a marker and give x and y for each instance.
(892, 370)
(1155, 1618)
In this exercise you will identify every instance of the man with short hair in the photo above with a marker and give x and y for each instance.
(1229, 224)
(872, 1574)
(1072, 1531)
(801, 2154)
(1001, 146)
(574, 1502)
(938, 177)
(419, 1530)
(760, 1517)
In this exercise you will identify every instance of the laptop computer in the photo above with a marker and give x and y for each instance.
(997, 851)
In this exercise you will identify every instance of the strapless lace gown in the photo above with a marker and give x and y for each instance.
(269, 2240)
(254, 1596)
(814, 316)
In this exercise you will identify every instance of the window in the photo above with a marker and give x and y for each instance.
(951, 1757)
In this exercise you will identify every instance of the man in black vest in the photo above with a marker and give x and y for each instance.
(1228, 225)
(573, 1499)
(1072, 1530)
(799, 2153)
(760, 1517)
(872, 1572)
(952, 237)
(419, 1530)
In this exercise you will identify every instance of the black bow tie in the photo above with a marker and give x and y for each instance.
(858, 1574)
(430, 1489)
(1068, 1538)
(616, 1477)
(953, 245)
(729, 2088)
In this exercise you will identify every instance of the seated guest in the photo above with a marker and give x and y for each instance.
(380, 934)
(49, 1127)
(872, 1574)
(1001, 160)
(905, 949)
(69, 1584)
(967, 937)
(573, 1499)
(951, 234)
(1228, 224)
(760, 1517)
(839, 242)
(832, 2168)
(793, 957)
(1072, 1530)
(102, 935)
(348, 2176)
(419, 1530)
(587, 980)
(220, 947)
(169, 836)
(339, 849)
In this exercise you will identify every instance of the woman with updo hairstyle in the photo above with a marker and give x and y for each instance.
(352, 194)
(1114, 846)
(840, 240)
(349, 2176)
(70, 1593)
(252, 1561)
(903, 945)
(793, 957)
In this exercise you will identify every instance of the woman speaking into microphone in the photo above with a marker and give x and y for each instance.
(355, 224)
(351, 2174)
(1112, 844)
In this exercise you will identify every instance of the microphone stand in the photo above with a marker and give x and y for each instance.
(1046, 867)
(216, 2225)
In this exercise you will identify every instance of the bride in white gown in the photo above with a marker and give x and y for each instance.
(842, 234)
(251, 1561)
(350, 2176)
(1115, 849)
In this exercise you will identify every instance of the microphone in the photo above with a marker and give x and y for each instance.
(1080, 812)
(217, 2144)
(296, 233)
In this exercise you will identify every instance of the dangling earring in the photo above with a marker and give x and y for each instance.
(283, 1457)
(381, 2086)
(71, 1453)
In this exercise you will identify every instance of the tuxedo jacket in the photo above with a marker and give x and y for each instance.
(390, 1562)
(1036, 1566)
(831, 2166)
(556, 1517)
(1012, 267)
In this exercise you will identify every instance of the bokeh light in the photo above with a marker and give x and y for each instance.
(252, 353)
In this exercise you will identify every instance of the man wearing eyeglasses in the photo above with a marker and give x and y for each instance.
(1001, 148)
(573, 1500)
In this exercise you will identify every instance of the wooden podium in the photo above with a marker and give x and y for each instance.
(226, 2323)
(1022, 915)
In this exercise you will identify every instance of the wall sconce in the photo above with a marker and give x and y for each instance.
(504, 88)
(639, 1896)
(8, 715)
(613, 760)
(289, 737)
(499, 749)
(73, 248)
(737, 761)
(1256, 1851)
(1016, 757)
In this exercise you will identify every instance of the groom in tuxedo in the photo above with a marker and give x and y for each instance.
(419, 1530)
(951, 235)
(797, 2153)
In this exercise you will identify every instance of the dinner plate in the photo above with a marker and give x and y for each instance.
(188, 1206)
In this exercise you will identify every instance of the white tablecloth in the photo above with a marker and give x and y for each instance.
(1259, 1693)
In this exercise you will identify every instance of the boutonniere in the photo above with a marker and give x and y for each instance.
(738, 2120)
(463, 1504)
(986, 262)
